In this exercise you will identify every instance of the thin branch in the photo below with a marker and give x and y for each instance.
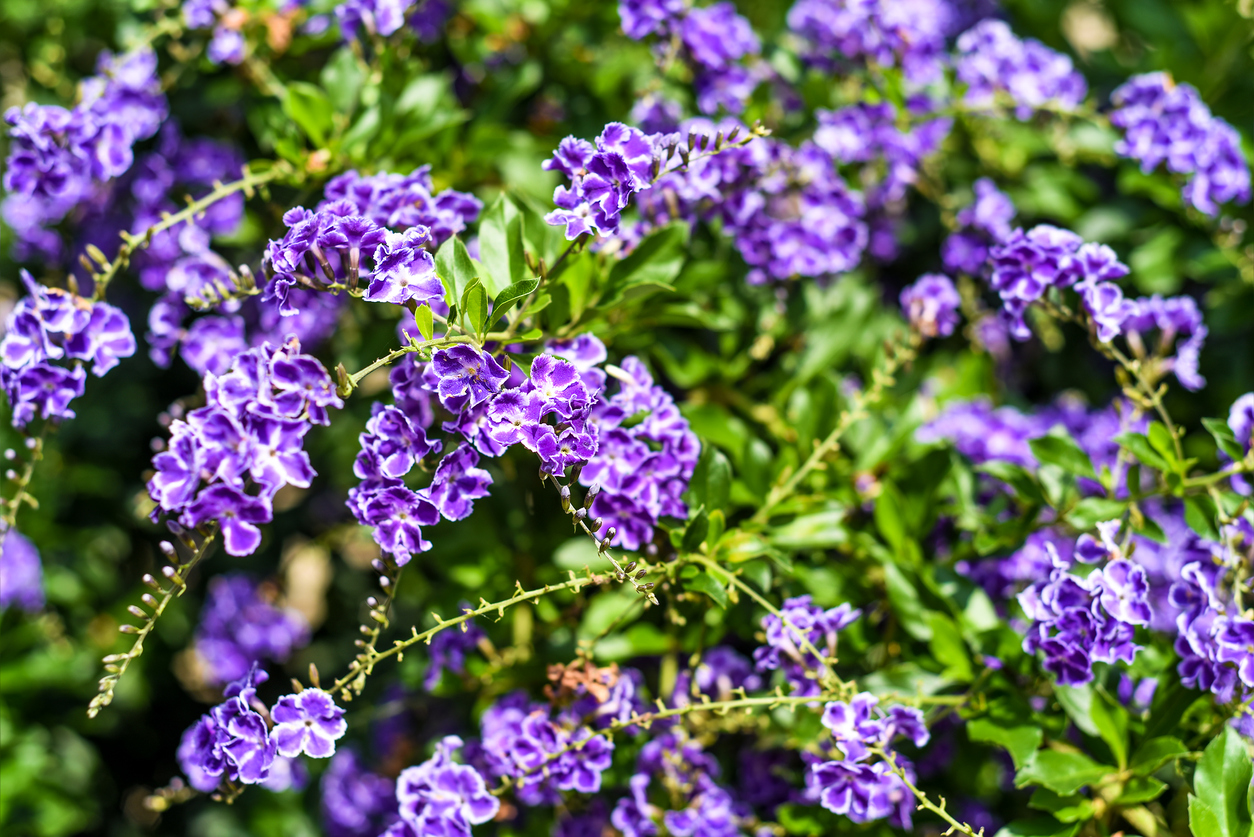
(117, 664)
(132, 243)
(21, 496)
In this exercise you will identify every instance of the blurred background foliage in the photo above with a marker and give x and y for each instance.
(484, 108)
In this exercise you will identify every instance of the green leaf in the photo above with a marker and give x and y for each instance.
(1064, 808)
(474, 306)
(903, 594)
(710, 485)
(1225, 438)
(501, 246)
(1092, 510)
(1220, 803)
(1063, 773)
(1020, 740)
(653, 265)
(1156, 752)
(949, 649)
(1141, 789)
(822, 530)
(455, 268)
(1018, 478)
(422, 317)
(1139, 445)
(718, 524)
(342, 79)
(1160, 438)
(308, 106)
(1038, 827)
(705, 583)
(1061, 450)
(888, 516)
(694, 534)
(506, 298)
(1112, 725)
(1199, 513)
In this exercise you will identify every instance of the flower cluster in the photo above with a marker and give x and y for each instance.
(351, 237)
(985, 222)
(931, 305)
(240, 625)
(51, 324)
(720, 672)
(227, 43)
(355, 802)
(700, 806)
(887, 33)
(712, 40)
(1165, 122)
(21, 574)
(441, 796)
(1216, 639)
(234, 741)
(787, 209)
(793, 638)
(991, 60)
(603, 177)
(385, 17)
(249, 435)
(640, 469)
(546, 752)
(869, 133)
(851, 784)
(1077, 621)
(58, 157)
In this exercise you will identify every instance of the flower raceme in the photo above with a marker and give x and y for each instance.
(225, 461)
(50, 324)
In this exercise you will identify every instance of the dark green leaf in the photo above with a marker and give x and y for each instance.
(1038, 827)
(1224, 437)
(1139, 445)
(654, 263)
(1018, 478)
(1092, 510)
(1156, 752)
(1199, 513)
(1221, 787)
(949, 649)
(422, 317)
(705, 583)
(307, 105)
(1020, 740)
(1064, 808)
(501, 246)
(1141, 789)
(694, 534)
(1061, 772)
(506, 298)
(474, 306)
(455, 268)
(1062, 451)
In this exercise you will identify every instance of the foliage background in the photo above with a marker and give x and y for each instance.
(485, 108)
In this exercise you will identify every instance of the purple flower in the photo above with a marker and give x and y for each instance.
(992, 62)
(236, 512)
(405, 269)
(21, 574)
(398, 516)
(308, 722)
(240, 626)
(854, 726)
(1235, 639)
(1241, 420)
(467, 376)
(458, 483)
(931, 305)
(1165, 122)
(906, 33)
(442, 797)
(231, 741)
(642, 18)
(355, 802)
(802, 626)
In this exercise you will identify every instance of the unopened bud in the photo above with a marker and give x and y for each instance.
(630, 566)
(590, 496)
(167, 548)
(642, 574)
(10, 454)
(372, 602)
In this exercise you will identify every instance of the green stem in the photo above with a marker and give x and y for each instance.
(133, 243)
(117, 664)
(890, 758)
(22, 496)
(364, 664)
